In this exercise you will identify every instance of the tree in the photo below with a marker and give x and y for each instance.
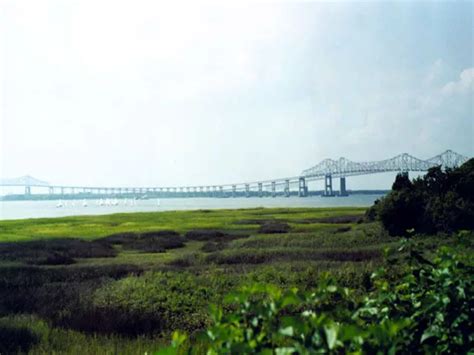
(439, 201)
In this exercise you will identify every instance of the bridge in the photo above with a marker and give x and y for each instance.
(326, 170)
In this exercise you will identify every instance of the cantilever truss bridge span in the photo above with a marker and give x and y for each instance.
(325, 170)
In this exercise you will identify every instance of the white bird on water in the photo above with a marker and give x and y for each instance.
(59, 204)
(84, 203)
(158, 202)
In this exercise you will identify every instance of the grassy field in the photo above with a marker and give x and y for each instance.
(123, 282)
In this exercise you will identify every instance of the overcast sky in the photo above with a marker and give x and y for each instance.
(141, 93)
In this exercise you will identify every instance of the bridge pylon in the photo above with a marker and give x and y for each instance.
(303, 189)
(328, 192)
(343, 191)
(287, 188)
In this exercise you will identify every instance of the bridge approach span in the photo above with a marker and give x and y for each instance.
(325, 170)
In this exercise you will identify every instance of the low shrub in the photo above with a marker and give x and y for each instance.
(274, 227)
(252, 256)
(259, 221)
(155, 302)
(54, 251)
(61, 294)
(54, 259)
(16, 340)
(333, 219)
(210, 247)
(343, 229)
(428, 310)
(148, 242)
(205, 235)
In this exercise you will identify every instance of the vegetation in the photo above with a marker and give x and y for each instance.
(429, 309)
(124, 283)
(440, 201)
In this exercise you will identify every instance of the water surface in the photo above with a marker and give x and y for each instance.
(37, 209)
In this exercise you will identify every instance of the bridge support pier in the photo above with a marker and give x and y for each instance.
(51, 190)
(260, 190)
(303, 189)
(27, 190)
(328, 186)
(343, 191)
(247, 190)
(234, 190)
(287, 188)
(273, 189)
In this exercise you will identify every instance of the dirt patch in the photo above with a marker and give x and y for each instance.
(335, 219)
(274, 228)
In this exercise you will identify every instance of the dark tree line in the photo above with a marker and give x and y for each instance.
(440, 201)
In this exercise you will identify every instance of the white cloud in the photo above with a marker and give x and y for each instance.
(423, 119)
(464, 84)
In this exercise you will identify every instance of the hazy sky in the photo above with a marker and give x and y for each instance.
(141, 93)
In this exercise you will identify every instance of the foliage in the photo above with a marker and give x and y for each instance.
(428, 310)
(121, 296)
(440, 201)
(25, 334)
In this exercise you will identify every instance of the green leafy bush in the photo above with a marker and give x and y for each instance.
(440, 201)
(428, 310)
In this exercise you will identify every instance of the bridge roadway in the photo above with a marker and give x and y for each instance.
(326, 170)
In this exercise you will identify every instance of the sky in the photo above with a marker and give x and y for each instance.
(130, 93)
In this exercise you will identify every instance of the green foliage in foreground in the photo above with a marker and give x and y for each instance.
(429, 310)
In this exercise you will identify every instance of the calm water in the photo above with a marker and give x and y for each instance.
(37, 209)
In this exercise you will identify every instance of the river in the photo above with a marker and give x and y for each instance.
(39, 209)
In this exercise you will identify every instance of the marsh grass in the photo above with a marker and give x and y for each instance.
(137, 277)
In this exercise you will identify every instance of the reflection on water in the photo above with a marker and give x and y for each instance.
(58, 208)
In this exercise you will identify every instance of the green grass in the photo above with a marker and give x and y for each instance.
(131, 300)
(45, 339)
(91, 227)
